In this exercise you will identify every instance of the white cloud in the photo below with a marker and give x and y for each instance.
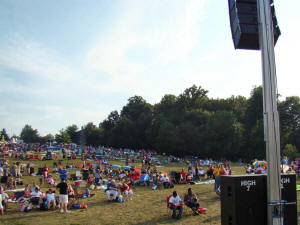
(152, 48)
(32, 58)
(169, 32)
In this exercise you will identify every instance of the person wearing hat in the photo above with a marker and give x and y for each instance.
(63, 195)
(176, 204)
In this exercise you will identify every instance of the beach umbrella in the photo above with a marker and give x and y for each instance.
(259, 163)
(163, 173)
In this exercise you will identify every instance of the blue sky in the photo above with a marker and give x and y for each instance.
(72, 61)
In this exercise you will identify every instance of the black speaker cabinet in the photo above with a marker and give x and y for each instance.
(244, 23)
(289, 194)
(244, 199)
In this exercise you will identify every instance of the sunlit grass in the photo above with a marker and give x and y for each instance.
(147, 207)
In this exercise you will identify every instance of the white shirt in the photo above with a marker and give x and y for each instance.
(35, 194)
(50, 197)
(1, 171)
(4, 196)
(176, 200)
(164, 179)
(34, 187)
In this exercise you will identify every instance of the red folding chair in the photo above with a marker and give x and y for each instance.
(168, 198)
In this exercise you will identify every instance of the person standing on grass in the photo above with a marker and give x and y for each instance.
(217, 177)
(63, 195)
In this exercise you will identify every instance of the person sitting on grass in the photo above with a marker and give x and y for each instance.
(19, 181)
(34, 186)
(191, 201)
(165, 181)
(35, 196)
(1, 206)
(201, 173)
(51, 198)
(2, 201)
(176, 204)
(126, 191)
(4, 198)
(112, 190)
(71, 196)
(50, 181)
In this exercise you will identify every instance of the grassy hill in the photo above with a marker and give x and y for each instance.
(147, 207)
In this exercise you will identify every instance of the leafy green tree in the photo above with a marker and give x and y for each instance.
(30, 135)
(289, 113)
(93, 134)
(73, 132)
(63, 137)
(107, 125)
(238, 105)
(135, 107)
(166, 140)
(223, 136)
(46, 138)
(194, 124)
(193, 97)
(123, 134)
(4, 133)
(167, 107)
(254, 144)
(254, 108)
(139, 115)
(290, 151)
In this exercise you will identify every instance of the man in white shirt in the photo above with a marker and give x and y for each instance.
(176, 204)
(35, 196)
(165, 181)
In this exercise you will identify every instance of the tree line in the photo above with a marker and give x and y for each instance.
(188, 124)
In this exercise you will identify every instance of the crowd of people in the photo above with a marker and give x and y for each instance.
(91, 167)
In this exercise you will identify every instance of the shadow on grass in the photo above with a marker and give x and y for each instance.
(164, 220)
(25, 216)
(212, 219)
(215, 199)
(100, 203)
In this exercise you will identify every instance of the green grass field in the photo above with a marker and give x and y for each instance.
(147, 207)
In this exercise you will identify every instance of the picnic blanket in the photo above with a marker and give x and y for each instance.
(15, 190)
(206, 182)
